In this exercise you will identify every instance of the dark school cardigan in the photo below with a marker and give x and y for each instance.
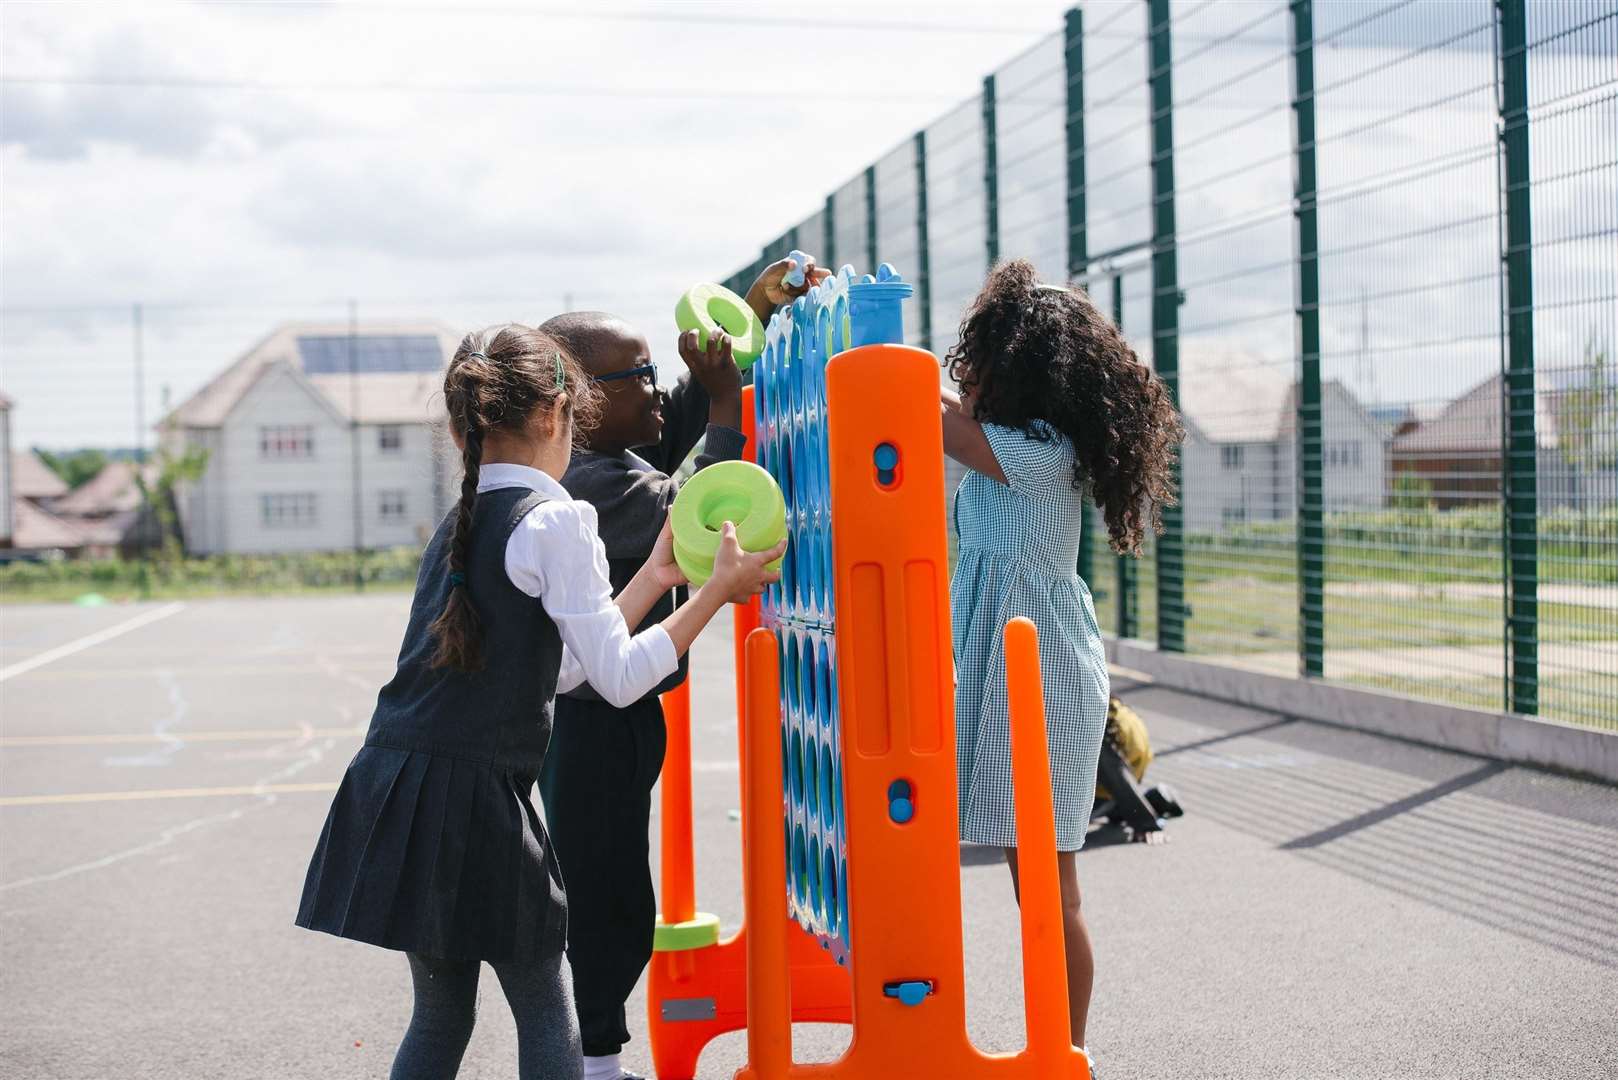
(432, 844)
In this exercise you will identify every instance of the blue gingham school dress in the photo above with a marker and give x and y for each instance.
(1018, 555)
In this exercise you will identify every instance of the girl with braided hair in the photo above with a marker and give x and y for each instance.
(1054, 405)
(432, 845)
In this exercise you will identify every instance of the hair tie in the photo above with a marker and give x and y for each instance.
(561, 372)
(456, 578)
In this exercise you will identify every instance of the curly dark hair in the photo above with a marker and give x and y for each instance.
(1029, 352)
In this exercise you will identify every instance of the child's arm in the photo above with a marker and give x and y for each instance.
(555, 555)
(965, 441)
(771, 289)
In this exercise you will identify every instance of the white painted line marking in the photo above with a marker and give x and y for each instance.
(163, 793)
(89, 641)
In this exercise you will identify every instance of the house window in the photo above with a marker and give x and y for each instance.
(390, 505)
(390, 438)
(286, 441)
(1334, 455)
(287, 510)
(1230, 457)
(1354, 453)
(1233, 515)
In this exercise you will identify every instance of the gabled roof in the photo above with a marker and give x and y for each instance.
(1235, 399)
(1471, 423)
(384, 397)
(309, 347)
(31, 478)
(1330, 388)
(33, 529)
(110, 491)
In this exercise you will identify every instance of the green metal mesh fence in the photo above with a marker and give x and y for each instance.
(1374, 246)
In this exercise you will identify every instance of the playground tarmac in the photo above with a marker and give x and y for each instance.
(1334, 904)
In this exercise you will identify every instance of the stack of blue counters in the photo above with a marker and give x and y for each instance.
(789, 382)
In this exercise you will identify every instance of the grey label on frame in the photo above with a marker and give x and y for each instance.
(690, 1009)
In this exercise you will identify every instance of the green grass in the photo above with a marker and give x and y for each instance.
(222, 575)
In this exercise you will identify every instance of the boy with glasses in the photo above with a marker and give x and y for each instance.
(604, 757)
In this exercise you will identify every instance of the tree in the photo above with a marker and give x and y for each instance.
(1587, 413)
(73, 466)
(1411, 493)
(158, 493)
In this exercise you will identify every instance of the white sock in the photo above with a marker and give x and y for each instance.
(605, 1067)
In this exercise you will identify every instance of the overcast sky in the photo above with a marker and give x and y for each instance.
(234, 166)
(491, 162)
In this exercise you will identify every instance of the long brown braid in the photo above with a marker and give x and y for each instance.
(496, 381)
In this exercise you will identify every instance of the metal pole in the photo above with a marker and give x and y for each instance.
(1166, 316)
(991, 174)
(145, 521)
(830, 231)
(870, 219)
(924, 277)
(1078, 243)
(1520, 460)
(1310, 488)
(1127, 627)
(354, 443)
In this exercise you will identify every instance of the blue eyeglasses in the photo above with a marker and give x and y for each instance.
(646, 373)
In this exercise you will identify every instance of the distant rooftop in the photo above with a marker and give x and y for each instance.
(329, 354)
(395, 370)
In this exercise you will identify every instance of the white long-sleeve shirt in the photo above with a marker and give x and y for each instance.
(555, 556)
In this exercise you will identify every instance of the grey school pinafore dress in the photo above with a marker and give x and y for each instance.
(432, 844)
(1018, 555)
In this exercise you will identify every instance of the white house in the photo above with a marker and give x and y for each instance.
(1239, 461)
(319, 442)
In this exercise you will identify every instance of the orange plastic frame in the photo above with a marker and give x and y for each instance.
(696, 995)
(897, 702)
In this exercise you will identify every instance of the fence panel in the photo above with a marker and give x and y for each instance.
(1572, 112)
(1031, 157)
(1387, 268)
(1411, 353)
(898, 240)
(1237, 363)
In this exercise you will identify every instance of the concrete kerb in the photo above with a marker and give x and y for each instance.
(1499, 735)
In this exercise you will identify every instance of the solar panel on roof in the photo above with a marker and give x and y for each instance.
(328, 354)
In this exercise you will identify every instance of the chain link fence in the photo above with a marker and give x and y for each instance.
(1373, 247)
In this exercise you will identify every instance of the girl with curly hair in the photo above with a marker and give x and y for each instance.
(1054, 405)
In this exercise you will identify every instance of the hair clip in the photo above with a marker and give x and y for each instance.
(561, 372)
(456, 578)
(1042, 287)
(477, 356)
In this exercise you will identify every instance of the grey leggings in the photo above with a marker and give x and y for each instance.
(541, 1000)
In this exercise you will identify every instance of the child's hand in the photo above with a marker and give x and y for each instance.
(665, 570)
(740, 574)
(714, 367)
(771, 288)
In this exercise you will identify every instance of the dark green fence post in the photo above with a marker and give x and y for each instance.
(991, 174)
(1166, 316)
(1520, 461)
(1306, 238)
(1127, 624)
(870, 219)
(923, 272)
(829, 232)
(1078, 251)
